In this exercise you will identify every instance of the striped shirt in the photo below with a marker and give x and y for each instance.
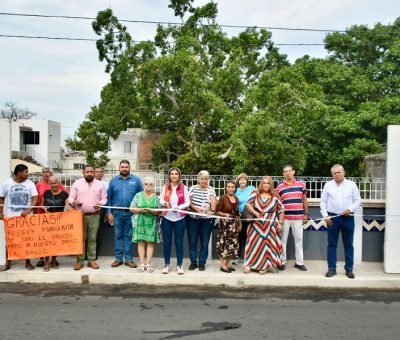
(291, 194)
(201, 198)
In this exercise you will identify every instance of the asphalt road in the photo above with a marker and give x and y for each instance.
(67, 311)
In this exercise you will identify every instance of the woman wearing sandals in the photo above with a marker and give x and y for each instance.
(174, 196)
(54, 200)
(263, 245)
(144, 224)
(229, 227)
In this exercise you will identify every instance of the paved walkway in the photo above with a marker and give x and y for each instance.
(369, 275)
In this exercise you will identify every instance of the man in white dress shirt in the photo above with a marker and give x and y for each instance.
(340, 198)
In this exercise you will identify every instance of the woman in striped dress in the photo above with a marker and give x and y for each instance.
(263, 244)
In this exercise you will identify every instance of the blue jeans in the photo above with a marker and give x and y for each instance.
(123, 237)
(199, 228)
(178, 229)
(346, 226)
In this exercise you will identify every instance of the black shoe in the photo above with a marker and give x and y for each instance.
(350, 274)
(40, 263)
(225, 270)
(281, 267)
(301, 267)
(330, 273)
(202, 267)
(192, 266)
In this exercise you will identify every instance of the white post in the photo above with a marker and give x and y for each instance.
(392, 221)
(5, 170)
(358, 231)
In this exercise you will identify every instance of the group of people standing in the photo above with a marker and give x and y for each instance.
(254, 222)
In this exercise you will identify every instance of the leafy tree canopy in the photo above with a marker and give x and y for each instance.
(234, 103)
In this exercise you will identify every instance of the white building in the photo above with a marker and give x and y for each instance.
(133, 144)
(36, 141)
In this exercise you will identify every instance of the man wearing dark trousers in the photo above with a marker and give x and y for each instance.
(99, 174)
(340, 198)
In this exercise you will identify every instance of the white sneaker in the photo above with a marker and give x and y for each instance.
(179, 270)
(165, 269)
(235, 261)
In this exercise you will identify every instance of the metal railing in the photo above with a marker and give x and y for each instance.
(373, 189)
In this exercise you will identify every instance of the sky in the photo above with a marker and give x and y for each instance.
(61, 80)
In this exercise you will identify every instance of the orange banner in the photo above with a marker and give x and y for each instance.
(38, 235)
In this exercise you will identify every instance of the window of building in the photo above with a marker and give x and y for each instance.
(128, 147)
(31, 137)
(78, 166)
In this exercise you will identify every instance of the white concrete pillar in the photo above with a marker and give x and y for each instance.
(5, 170)
(392, 223)
(358, 232)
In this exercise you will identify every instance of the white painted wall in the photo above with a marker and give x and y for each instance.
(54, 142)
(5, 170)
(117, 146)
(392, 221)
(48, 150)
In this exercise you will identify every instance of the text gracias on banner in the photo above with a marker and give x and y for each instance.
(50, 234)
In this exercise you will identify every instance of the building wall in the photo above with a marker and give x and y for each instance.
(54, 143)
(5, 171)
(146, 143)
(47, 152)
(375, 165)
(5, 164)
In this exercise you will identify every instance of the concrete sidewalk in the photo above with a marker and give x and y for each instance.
(369, 275)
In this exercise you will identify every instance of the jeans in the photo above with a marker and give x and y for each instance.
(123, 237)
(90, 228)
(346, 226)
(199, 228)
(178, 229)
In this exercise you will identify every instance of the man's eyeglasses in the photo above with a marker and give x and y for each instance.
(148, 183)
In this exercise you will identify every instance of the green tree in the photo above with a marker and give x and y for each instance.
(230, 104)
(360, 80)
(190, 82)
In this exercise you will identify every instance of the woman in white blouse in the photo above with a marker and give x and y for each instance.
(174, 196)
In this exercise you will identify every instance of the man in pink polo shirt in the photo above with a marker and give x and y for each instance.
(88, 194)
(293, 195)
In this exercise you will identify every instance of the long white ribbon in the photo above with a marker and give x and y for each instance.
(187, 212)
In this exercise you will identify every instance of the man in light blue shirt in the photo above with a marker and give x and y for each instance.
(120, 193)
(340, 198)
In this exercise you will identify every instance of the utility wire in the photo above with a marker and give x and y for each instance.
(172, 23)
(46, 38)
(135, 41)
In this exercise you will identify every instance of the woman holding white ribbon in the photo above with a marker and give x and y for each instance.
(229, 227)
(145, 232)
(203, 202)
(175, 198)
